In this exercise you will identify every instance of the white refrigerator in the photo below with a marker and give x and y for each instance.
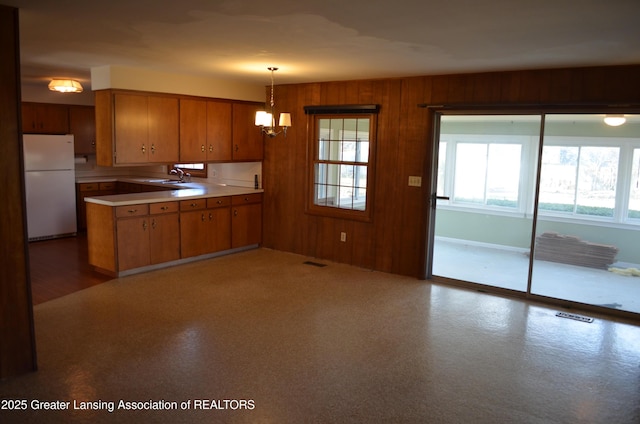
(50, 186)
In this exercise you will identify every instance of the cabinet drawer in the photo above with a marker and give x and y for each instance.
(164, 207)
(132, 210)
(89, 186)
(107, 186)
(218, 202)
(194, 204)
(247, 198)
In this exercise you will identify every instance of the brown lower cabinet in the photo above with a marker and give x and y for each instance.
(205, 226)
(246, 220)
(90, 190)
(147, 234)
(124, 238)
(134, 236)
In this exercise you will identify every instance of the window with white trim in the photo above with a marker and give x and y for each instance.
(592, 173)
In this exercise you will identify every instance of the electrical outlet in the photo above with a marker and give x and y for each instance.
(415, 181)
(343, 236)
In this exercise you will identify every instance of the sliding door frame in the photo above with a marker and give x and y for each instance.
(542, 110)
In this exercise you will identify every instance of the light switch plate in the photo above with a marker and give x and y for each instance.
(415, 181)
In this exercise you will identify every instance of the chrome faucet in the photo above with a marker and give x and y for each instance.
(179, 172)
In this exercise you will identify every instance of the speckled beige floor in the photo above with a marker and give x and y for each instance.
(273, 340)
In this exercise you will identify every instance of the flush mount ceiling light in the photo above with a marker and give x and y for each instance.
(65, 86)
(266, 120)
(614, 120)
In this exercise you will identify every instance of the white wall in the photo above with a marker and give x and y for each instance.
(129, 78)
(234, 173)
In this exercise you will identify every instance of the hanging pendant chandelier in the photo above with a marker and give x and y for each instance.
(266, 119)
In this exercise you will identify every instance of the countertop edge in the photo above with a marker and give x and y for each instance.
(189, 192)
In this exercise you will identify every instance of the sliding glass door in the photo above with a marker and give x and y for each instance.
(576, 176)
(587, 245)
(483, 221)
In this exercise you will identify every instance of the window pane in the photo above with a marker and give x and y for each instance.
(558, 178)
(333, 174)
(361, 176)
(470, 172)
(199, 166)
(323, 149)
(442, 157)
(634, 195)
(335, 151)
(360, 200)
(362, 148)
(597, 178)
(503, 175)
(336, 128)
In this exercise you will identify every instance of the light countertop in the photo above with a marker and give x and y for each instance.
(183, 191)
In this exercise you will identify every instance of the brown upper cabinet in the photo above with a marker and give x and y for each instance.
(205, 130)
(45, 118)
(82, 124)
(133, 128)
(247, 138)
(137, 128)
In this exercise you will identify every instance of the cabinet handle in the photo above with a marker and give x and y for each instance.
(202, 148)
(235, 212)
(144, 149)
(144, 225)
(193, 205)
(202, 217)
(153, 224)
(210, 216)
(211, 147)
(153, 148)
(219, 202)
(236, 147)
(164, 208)
(132, 210)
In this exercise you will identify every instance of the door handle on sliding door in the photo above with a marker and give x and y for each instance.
(435, 197)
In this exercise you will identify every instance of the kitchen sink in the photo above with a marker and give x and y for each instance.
(163, 181)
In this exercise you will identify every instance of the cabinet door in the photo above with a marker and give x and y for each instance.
(133, 242)
(45, 118)
(247, 138)
(53, 118)
(163, 124)
(164, 238)
(218, 131)
(29, 120)
(246, 225)
(131, 128)
(82, 124)
(219, 229)
(193, 130)
(193, 234)
(84, 190)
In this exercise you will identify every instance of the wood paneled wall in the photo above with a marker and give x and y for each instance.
(17, 343)
(395, 240)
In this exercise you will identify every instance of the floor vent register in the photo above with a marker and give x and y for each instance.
(574, 316)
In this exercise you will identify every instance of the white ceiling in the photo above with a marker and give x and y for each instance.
(323, 40)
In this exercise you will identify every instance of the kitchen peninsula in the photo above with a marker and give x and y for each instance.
(137, 232)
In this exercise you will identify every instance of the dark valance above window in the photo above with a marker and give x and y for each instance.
(341, 109)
